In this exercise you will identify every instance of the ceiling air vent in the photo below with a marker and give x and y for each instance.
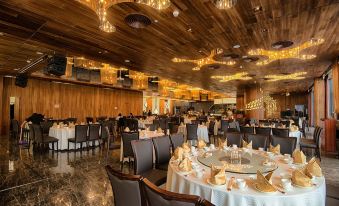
(137, 21)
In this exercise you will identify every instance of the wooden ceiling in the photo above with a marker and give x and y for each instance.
(67, 26)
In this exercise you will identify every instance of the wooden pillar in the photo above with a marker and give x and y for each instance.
(335, 80)
(250, 95)
(319, 102)
(1, 103)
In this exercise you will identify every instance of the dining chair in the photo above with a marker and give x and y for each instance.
(80, 136)
(127, 151)
(156, 196)
(211, 131)
(15, 128)
(143, 162)
(263, 130)
(173, 127)
(234, 138)
(163, 124)
(156, 122)
(177, 140)
(89, 119)
(287, 144)
(42, 139)
(46, 125)
(258, 140)
(281, 132)
(313, 143)
(126, 188)
(224, 125)
(162, 147)
(247, 130)
(206, 203)
(192, 132)
(93, 134)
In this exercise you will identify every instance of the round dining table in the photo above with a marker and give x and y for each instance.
(194, 184)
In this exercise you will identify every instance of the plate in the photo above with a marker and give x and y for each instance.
(214, 185)
(255, 186)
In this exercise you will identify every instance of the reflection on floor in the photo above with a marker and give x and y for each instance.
(79, 178)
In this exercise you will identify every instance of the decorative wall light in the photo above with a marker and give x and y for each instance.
(205, 61)
(100, 8)
(157, 4)
(286, 53)
(224, 4)
(265, 102)
(294, 76)
(108, 74)
(237, 76)
(140, 80)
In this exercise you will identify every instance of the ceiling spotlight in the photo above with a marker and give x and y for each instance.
(1, 33)
(176, 13)
(244, 57)
(236, 46)
(16, 69)
(156, 21)
(189, 29)
(28, 61)
(240, 66)
(99, 52)
(127, 60)
(257, 9)
(39, 53)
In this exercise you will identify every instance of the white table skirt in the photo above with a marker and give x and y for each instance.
(143, 135)
(202, 132)
(63, 134)
(219, 196)
(296, 134)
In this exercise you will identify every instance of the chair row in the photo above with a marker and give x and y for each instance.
(139, 191)
(281, 132)
(287, 144)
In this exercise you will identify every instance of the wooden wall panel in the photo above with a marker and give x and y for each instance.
(288, 102)
(65, 100)
(250, 95)
(1, 103)
(335, 78)
(240, 103)
(319, 102)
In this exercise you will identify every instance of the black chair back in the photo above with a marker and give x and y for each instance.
(177, 140)
(89, 119)
(163, 123)
(211, 127)
(152, 127)
(263, 130)
(143, 155)
(126, 188)
(81, 133)
(15, 128)
(31, 132)
(94, 132)
(45, 125)
(38, 136)
(156, 196)
(127, 137)
(162, 147)
(192, 131)
(156, 122)
(281, 132)
(234, 138)
(317, 135)
(247, 130)
(287, 144)
(224, 125)
(173, 127)
(258, 140)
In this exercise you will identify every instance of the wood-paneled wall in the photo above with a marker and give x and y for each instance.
(240, 103)
(1, 105)
(335, 78)
(250, 95)
(288, 102)
(68, 100)
(319, 101)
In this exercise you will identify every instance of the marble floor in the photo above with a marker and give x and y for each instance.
(79, 178)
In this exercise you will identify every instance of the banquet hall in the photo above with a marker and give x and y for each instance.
(169, 102)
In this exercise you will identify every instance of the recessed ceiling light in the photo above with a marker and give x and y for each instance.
(176, 13)
(105, 51)
(127, 60)
(264, 30)
(240, 66)
(28, 61)
(1, 33)
(244, 57)
(236, 46)
(257, 8)
(39, 53)
(156, 21)
(99, 52)
(16, 69)
(189, 29)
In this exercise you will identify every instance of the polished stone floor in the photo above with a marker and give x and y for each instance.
(79, 178)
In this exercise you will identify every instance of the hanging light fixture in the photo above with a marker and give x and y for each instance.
(100, 8)
(224, 4)
(157, 4)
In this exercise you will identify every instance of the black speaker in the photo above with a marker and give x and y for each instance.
(56, 65)
(21, 80)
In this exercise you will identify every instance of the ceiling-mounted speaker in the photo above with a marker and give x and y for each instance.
(56, 65)
(21, 80)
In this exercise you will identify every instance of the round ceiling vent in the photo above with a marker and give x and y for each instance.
(137, 21)
(282, 44)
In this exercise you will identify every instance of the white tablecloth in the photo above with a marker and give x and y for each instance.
(63, 134)
(202, 132)
(142, 135)
(142, 123)
(296, 134)
(177, 182)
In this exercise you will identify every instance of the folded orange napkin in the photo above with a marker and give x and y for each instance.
(299, 178)
(276, 149)
(178, 153)
(201, 144)
(218, 176)
(221, 143)
(313, 169)
(298, 157)
(246, 144)
(186, 147)
(126, 129)
(264, 185)
(185, 165)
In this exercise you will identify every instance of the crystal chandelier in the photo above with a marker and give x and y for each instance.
(224, 4)
(264, 102)
(157, 4)
(294, 76)
(100, 8)
(237, 76)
